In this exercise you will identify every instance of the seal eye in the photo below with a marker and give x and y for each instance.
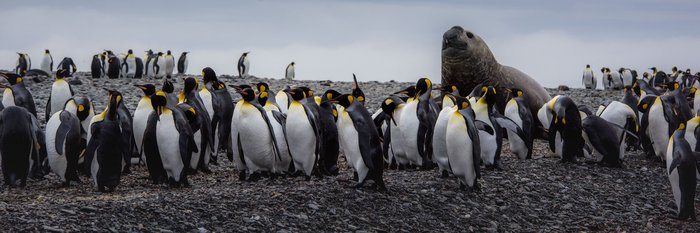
(470, 35)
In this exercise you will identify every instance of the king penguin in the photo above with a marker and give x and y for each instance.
(96, 69)
(129, 64)
(462, 144)
(301, 124)
(203, 136)
(24, 63)
(17, 145)
(417, 122)
(113, 67)
(182, 63)
(148, 68)
(394, 142)
(518, 111)
(243, 65)
(47, 62)
(61, 91)
(81, 107)
(283, 99)
(328, 161)
(289, 72)
(662, 121)
(169, 64)
(143, 111)
(68, 66)
(159, 67)
(278, 121)
(168, 142)
(104, 152)
(682, 170)
(235, 156)
(439, 132)
(567, 123)
(589, 81)
(606, 138)
(18, 94)
(63, 135)
(360, 140)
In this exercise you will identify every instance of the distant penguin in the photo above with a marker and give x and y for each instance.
(182, 63)
(616, 79)
(662, 121)
(518, 111)
(47, 62)
(61, 91)
(463, 145)
(607, 79)
(627, 77)
(141, 114)
(589, 81)
(96, 66)
(24, 63)
(301, 124)
(360, 140)
(243, 65)
(681, 165)
(139, 68)
(258, 143)
(169, 64)
(68, 65)
(289, 72)
(159, 65)
(168, 142)
(283, 99)
(113, 67)
(17, 145)
(63, 136)
(17, 94)
(129, 64)
(148, 67)
(105, 149)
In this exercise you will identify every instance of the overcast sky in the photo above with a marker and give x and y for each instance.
(549, 40)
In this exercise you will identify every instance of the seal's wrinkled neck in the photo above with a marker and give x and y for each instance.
(466, 59)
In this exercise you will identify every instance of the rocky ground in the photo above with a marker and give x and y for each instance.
(528, 195)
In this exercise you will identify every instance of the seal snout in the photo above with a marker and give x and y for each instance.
(453, 38)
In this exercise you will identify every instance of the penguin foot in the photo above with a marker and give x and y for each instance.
(401, 167)
(241, 175)
(254, 177)
(355, 177)
(307, 177)
(205, 170)
(393, 166)
(126, 171)
(444, 174)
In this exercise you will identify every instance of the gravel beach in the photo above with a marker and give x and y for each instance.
(528, 195)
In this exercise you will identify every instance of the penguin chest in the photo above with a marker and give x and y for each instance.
(208, 101)
(460, 151)
(517, 145)
(298, 124)
(8, 97)
(658, 130)
(60, 93)
(409, 129)
(143, 111)
(282, 101)
(488, 145)
(351, 145)
(57, 162)
(169, 145)
(439, 136)
(255, 137)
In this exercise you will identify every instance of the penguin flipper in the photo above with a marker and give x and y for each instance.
(473, 130)
(275, 145)
(387, 140)
(480, 125)
(676, 161)
(92, 146)
(509, 124)
(47, 112)
(63, 129)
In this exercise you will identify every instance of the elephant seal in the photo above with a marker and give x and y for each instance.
(467, 62)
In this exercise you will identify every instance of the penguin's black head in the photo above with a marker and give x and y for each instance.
(409, 91)
(515, 92)
(389, 105)
(460, 102)
(588, 66)
(645, 74)
(602, 70)
(296, 93)
(262, 87)
(148, 89)
(423, 86)
(208, 75)
(190, 84)
(190, 113)
(356, 91)
(61, 73)
(653, 68)
(169, 53)
(84, 106)
(488, 94)
(159, 100)
(674, 69)
(248, 94)
(130, 51)
(12, 78)
(621, 70)
(292, 63)
(46, 51)
(262, 97)
(168, 86)
(448, 89)
(160, 53)
(672, 86)
(245, 54)
(185, 53)
(330, 94)
(308, 93)
(344, 100)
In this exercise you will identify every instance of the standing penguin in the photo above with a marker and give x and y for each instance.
(169, 64)
(566, 122)
(204, 136)
(440, 131)
(81, 107)
(662, 121)
(225, 111)
(96, 69)
(278, 121)
(63, 144)
(682, 169)
(417, 122)
(61, 91)
(328, 161)
(627, 77)
(243, 65)
(518, 111)
(606, 138)
(104, 152)
(462, 144)
(589, 81)
(257, 142)
(143, 111)
(168, 142)
(129, 64)
(47, 62)
(159, 65)
(182, 63)
(360, 141)
(394, 141)
(24, 63)
(139, 68)
(17, 94)
(302, 125)
(113, 67)
(235, 155)
(289, 72)
(68, 65)
(148, 68)
(17, 145)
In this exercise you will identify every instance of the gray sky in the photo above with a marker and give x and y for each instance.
(549, 40)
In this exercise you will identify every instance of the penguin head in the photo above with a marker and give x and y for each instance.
(83, 105)
(445, 89)
(389, 105)
(13, 78)
(307, 92)
(185, 53)
(672, 86)
(160, 54)
(208, 75)
(169, 53)
(130, 51)
(645, 75)
(190, 84)
(330, 94)
(344, 100)
(245, 54)
(46, 51)
(148, 89)
(621, 70)
(190, 113)
(674, 69)
(602, 70)
(515, 92)
(158, 101)
(168, 86)
(262, 97)
(409, 91)
(247, 93)
(296, 94)
(488, 95)
(262, 87)
(423, 86)
(292, 64)
(356, 91)
(61, 73)
(588, 66)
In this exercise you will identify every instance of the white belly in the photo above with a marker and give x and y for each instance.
(282, 101)
(302, 145)
(282, 165)
(60, 93)
(58, 163)
(256, 140)
(237, 162)
(487, 141)
(658, 131)
(439, 143)
(517, 145)
(409, 129)
(143, 110)
(169, 146)
(349, 138)
(460, 150)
